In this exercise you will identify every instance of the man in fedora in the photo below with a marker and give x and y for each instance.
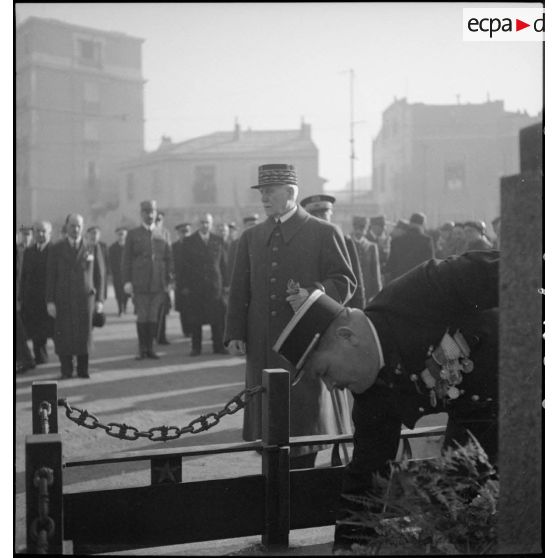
(294, 251)
(115, 256)
(146, 272)
(183, 231)
(428, 343)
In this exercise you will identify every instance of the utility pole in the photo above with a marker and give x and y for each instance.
(352, 138)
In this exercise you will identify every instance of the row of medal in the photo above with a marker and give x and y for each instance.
(445, 367)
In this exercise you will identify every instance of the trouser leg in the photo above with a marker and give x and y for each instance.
(39, 349)
(140, 329)
(83, 365)
(196, 338)
(305, 461)
(66, 365)
(150, 333)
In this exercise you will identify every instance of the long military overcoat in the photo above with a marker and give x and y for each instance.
(306, 250)
(74, 284)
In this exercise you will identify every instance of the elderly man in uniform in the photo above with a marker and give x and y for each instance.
(115, 256)
(146, 272)
(74, 288)
(291, 251)
(32, 294)
(426, 344)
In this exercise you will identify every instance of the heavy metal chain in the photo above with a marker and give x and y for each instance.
(123, 431)
(42, 527)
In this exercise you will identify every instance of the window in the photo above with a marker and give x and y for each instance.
(91, 174)
(90, 131)
(89, 52)
(205, 189)
(91, 96)
(130, 186)
(455, 176)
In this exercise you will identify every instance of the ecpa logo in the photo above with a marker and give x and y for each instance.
(503, 24)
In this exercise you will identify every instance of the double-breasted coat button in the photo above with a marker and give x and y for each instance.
(273, 280)
(274, 313)
(273, 297)
(421, 409)
(274, 264)
(475, 397)
(275, 249)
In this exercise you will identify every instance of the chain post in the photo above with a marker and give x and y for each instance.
(275, 457)
(43, 493)
(44, 395)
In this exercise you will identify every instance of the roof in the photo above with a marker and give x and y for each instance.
(247, 141)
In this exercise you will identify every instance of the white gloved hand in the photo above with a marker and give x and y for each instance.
(98, 307)
(51, 309)
(296, 300)
(237, 347)
(128, 289)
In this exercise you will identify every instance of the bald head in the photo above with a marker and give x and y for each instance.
(42, 231)
(74, 226)
(206, 223)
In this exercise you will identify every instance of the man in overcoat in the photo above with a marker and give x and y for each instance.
(409, 249)
(94, 238)
(290, 249)
(204, 267)
(115, 257)
(369, 257)
(32, 293)
(146, 272)
(428, 343)
(74, 289)
(183, 230)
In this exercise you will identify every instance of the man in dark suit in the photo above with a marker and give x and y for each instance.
(74, 288)
(161, 335)
(204, 268)
(428, 343)
(32, 293)
(183, 230)
(146, 272)
(94, 238)
(290, 249)
(115, 256)
(409, 249)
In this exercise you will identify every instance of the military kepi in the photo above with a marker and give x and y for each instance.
(318, 202)
(303, 332)
(276, 175)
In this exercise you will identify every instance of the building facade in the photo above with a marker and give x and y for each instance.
(213, 173)
(445, 160)
(79, 115)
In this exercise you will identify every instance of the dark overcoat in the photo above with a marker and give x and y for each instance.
(147, 261)
(408, 251)
(370, 263)
(115, 257)
(38, 324)
(74, 284)
(411, 316)
(204, 268)
(358, 299)
(177, 256)
(308, 251)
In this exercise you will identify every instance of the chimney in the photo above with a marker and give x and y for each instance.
(305, 129)
(166, 141)
(236, 135)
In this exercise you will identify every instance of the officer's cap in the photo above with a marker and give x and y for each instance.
(318, 202)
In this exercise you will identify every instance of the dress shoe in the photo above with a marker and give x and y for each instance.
(141, 355)
(151, 354)
(195, 353)
(220, 352)
(86, 375)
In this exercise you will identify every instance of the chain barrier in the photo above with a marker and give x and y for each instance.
(43, 526)
(44, 413)
(82, 417)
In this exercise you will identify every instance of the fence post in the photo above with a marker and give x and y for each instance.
(44, 398)
(275, 457)
(43, 493)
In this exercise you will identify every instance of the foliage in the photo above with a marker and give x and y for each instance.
(445, 505)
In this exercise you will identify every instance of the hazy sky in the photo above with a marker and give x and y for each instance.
(271, 64)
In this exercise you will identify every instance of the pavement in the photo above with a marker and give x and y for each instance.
(171, 391)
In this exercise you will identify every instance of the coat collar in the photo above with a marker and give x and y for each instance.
(290, 227)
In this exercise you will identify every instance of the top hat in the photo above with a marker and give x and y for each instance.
(148, 205)
(276, 175)
(417, 219)
(303, 332)
(318, 202)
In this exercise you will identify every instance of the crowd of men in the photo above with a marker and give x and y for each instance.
(372, 311)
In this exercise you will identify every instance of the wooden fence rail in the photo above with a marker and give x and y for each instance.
(269, 504)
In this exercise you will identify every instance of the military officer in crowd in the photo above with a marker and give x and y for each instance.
(32, 293)
(289, 250)
(74, 289)
(183, 230)
(369, 257)
(146, 272)
(428, 343)
(115, 256)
